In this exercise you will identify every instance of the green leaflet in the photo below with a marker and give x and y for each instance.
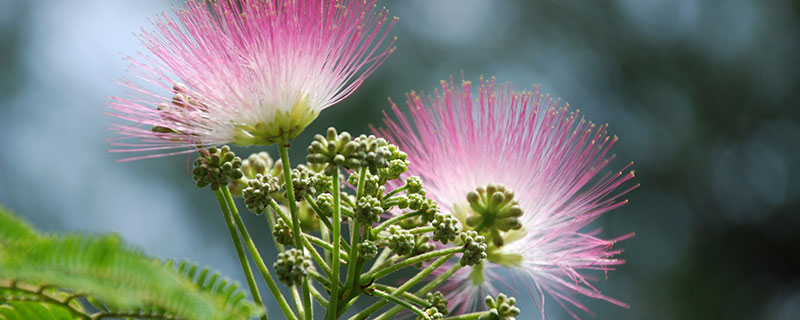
(106, 269)
(23, 310)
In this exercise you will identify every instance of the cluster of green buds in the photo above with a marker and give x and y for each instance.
(306, 181)
(494, 211)
(501, 308)
(437, 300)
(216, 167)
(292, 266)
(259, 191)
(340, 149)
(283, 233)
(399, 240)
(432, 314)
(474, 248)
(384, 209)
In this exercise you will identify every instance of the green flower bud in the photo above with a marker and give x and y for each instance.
(218, 167)
(307, 182)
(292, 266)
(400, 240)
(501, 308)
(395, 169)
(414, 184)
(335, 150)
(437, 300)
(432, 314)
(258, 193)
(494, 211)
(367, 250)
(446, 228)
(368, 210)
(325, 203)
(283, 233)
(474, 248)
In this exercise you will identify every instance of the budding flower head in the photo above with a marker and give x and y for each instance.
(216, 168)
(247, 72)
(258, 194)
(501, 308)
(494, 210)
(283, 233)
(256, 163)
(474, 248)
(292, 266)
(473, 148)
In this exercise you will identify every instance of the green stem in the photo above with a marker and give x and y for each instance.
(396, 191)
(419, 230)
(401, 302)
(375, 275)
(298, 302)
(408, 296)
(336, 230)
(317, 210)
(298, 242)
(382, 257)
(407, 285)
(424, 290)
(394, 220)
(318, 296)
(352, 263)
(321, 279)
(355, 231)
(237, 243)
(322, 244)
(273, 287)
(468, 316)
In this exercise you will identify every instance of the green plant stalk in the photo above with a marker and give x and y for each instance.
(382, 257)
(287, 179)
(394, 220)
(375, 275)
(316, 209)
(273, 287)
(419, 230)
(468, 316)
(318, 296)
(396, 191)
(406, 295)
(403, 288)
(400, 302)
(334, 263)
(298, 302)
(424, 290)
(237, 243)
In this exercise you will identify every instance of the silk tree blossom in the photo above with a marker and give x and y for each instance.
(473, 151)
(246, 72)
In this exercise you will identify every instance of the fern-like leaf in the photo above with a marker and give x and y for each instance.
(26, 310)
(105, 268)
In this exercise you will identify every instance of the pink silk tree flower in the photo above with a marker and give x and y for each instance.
(529, 174)
(246, 72)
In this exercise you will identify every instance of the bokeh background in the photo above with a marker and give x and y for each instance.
(702, 93)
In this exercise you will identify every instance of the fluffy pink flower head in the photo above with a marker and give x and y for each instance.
(472, 151)
(247, 72)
